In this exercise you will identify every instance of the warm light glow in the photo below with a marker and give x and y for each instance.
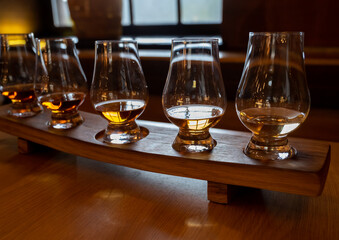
(42, 44)
(52, 106)
(15, 27)
(16, 40)
(109, 194)
(197, 124)
(18, 16)
(10, 96)
(113, 116)
(194, 84)
(198, 223)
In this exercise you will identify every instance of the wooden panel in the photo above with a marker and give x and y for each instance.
(226, 164)
(218, 192)
(317, 18)
(25, 146)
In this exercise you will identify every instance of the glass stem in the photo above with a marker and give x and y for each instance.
(269, 148)
(269, 141)
(194, 135)
(65, 115)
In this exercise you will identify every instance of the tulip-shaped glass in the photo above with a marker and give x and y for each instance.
(119, 90)
(60, 82)
(194, 97)
(17, 66)
(273, 98)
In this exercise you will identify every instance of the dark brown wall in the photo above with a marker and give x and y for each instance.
(317, 18)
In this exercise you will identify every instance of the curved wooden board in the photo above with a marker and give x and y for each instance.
(305, 175)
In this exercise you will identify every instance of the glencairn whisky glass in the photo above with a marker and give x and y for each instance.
(17, 66)
(194, 97)
(119, 90)
(60, 82)
(273, 98)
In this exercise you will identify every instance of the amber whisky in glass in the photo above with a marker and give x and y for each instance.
(119, 90)
(273, 98)
(17, 69)
(60, 83)
(194, 97)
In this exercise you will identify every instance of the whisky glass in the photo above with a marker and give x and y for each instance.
(17, 66)
(273, 98)
(60, 82)
(194, 97)
(119, 91)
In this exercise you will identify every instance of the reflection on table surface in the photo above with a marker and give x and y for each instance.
(50, 194)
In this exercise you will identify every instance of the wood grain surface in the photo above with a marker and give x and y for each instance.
(53, 195)
(226, 164)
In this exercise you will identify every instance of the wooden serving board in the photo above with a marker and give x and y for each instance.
(225, 165)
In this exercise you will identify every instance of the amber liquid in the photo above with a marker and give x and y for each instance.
(62, 102)
(121, 111)
(21, 93)
(271, 122)
(195, 117)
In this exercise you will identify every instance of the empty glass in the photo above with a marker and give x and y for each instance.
(273, 98)
(17, 66)
(119, 90)
(194, 97)
(60, 81)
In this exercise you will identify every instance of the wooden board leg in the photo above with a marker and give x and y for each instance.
(25, 146)
(218, 192)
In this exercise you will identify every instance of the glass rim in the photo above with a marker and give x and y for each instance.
(16, 34)
(116, 41)
(277, 33)
(55, 39)
(194, 40)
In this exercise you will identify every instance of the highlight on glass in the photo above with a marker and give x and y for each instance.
(119, 91)
(60, 82)
(273, 98)
(17, 67)
(194, 97)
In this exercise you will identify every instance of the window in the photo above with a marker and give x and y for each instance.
(159, 17)
(61, 15)
(154, 12)
(201, 11)
(172, 17)
(166, 12)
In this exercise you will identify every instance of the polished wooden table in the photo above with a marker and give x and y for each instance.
(54, 195)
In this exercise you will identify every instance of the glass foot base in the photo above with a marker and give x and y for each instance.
(193, 144)
(122, 134)
(260, 151)
(24, 110)
(67, 121)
